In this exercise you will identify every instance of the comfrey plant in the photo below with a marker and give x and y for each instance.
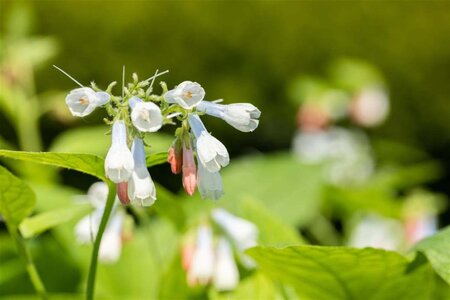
(138, 111)
(209, 259)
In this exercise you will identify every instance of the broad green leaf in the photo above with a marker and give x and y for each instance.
(344, 273)
(86, 163)
(154, 159)
(437, 250)
(16, 198)
(35, 225)
(256, 286)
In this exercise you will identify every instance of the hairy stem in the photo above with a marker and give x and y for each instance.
(31, 268)
(94, 258)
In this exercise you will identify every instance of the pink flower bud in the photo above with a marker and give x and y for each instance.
(187, 253)
(189, 171)
(122, 192)
(175, 159)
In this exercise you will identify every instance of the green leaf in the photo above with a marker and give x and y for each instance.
(344, 273)
(169, 206)
(32, 226)
(272, 230)
(16, 198)
(86, 163)
(288, 189)
(156, 159)
(437, 250)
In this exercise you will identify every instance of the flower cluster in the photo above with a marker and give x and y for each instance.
(208, 259)
(195, 152)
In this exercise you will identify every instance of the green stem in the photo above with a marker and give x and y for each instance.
(94, 258)
(31, 268)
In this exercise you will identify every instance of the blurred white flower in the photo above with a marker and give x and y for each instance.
(371, 107)
(86, 229)
(242, 116)
(111, 244)
(378, 232)
(119, 163)
(202, 264)
(209, 183)
(244, 233)
(210, 151)
(187, 94)
(141, 189)
(146, 116)
(83, 101)
(226, 274)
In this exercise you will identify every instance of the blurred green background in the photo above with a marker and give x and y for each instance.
(242, 51)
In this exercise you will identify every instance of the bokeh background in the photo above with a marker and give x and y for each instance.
(242, 51)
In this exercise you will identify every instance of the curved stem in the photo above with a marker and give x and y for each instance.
(31, 268)
(94, 258)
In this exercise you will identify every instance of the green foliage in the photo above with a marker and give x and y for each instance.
(436, 249)
(86, 163)
(16, 198)
(32, 226)
(344, 273)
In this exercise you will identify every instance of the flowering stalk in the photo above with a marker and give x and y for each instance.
(94, 258)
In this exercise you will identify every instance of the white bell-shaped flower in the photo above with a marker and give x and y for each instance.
(202, 265)
(111, 244)
(83, 101)
(243, 232)
(210, 151)
(209, 184)
(146, 116)
(371, 107)
(141, 189)
(242, 116)
(187, 94)
(226, 274)
(119, 163)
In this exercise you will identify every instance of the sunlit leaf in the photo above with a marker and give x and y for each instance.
(86, 163)
(344, 273)
(16, 198)
(35, 225)
(437, 250)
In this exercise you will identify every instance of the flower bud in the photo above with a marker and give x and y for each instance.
(189, 171)
(119, 163)
(175, 157)
(83, 101)
(370, 108)
(187, 94)
(122, 192)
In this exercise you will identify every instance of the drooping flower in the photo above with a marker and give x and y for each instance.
(187, 94)
(146, 116)
(226, 274)
(202, 265)
(83, 101)
(119, 163)
(189, 171)
(242, 116)
(210, 151)
(141, 188)
(209, 183)
(175, 157)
